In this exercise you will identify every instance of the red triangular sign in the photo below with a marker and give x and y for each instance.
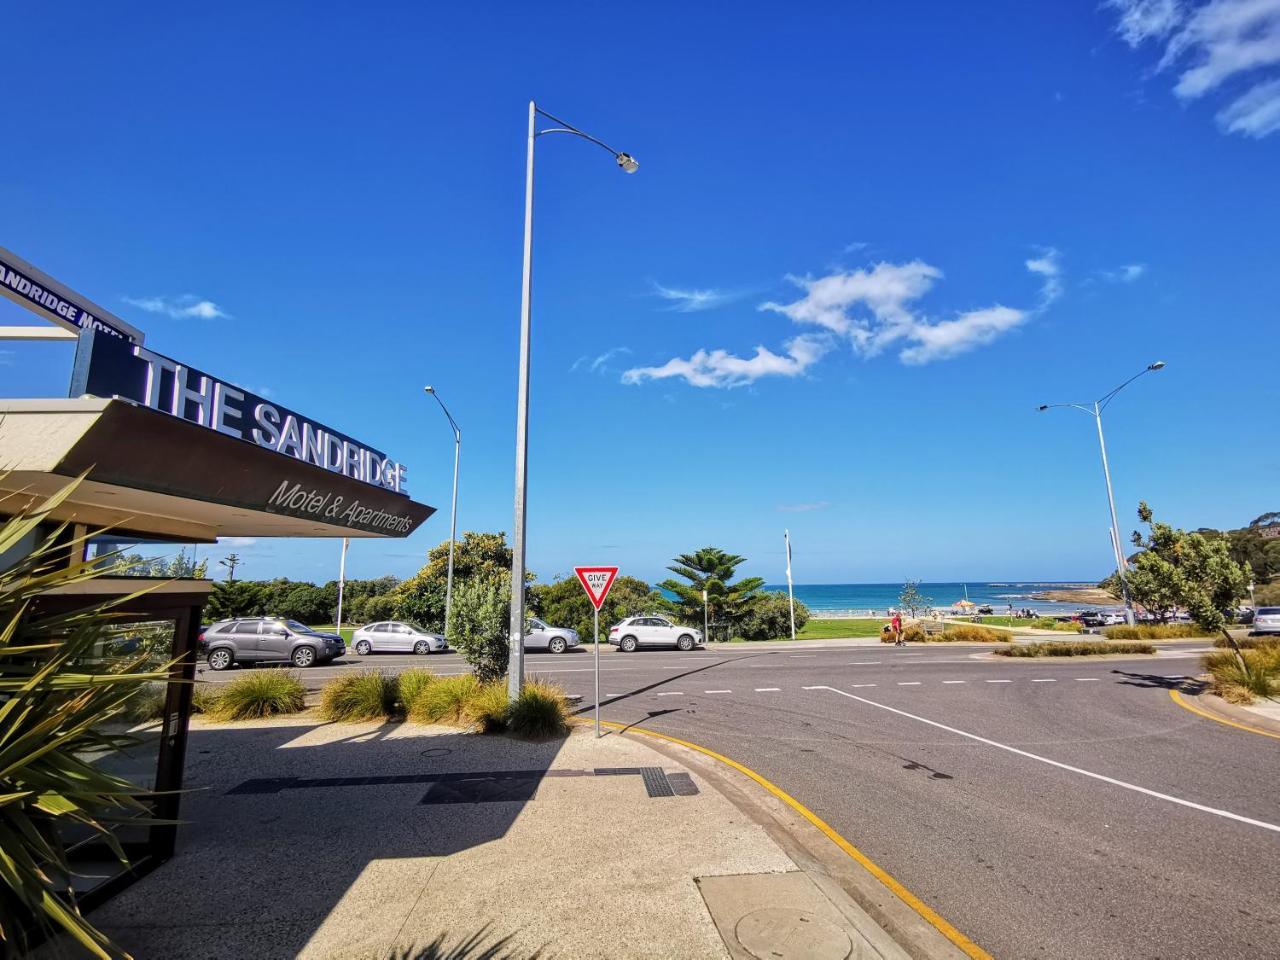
(596, 581)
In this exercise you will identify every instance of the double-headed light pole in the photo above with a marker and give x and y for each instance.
(1094, 410)
(453, 514)
(515, 663)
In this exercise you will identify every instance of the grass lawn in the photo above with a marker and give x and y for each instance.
(1006, 621)
(830, 629)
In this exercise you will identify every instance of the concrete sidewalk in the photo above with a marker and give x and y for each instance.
(346, 841)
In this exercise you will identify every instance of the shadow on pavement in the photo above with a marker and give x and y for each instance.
(1158, 682)
(282, 822)
(478, 946)
(665, 680)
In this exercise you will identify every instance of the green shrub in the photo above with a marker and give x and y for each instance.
(967, 633)
(1249, 643)
(540, 711)
(1048, 623)
(1073, 648)
(410, 683)
(367, 695)
(262, 693)
(1154, 631)
(145, 705)
(204, 698)
(768, 617)
(445, 700)
(487, 708)
(1243, 682)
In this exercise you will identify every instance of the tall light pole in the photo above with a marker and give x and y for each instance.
(1094, 410)
(515, 663)
(342, 580)
(453, 514)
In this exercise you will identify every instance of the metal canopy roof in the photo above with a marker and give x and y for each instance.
(153, 475)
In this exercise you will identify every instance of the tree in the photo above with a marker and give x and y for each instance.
(1191, 570)
(481, 623)
(136, 565)
(769, 617)
(233, 598)
(563, 603)
(421, 598)
(911, 599)
(231, 561)
(710, 569)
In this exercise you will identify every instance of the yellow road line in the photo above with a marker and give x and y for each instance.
(1177, 698)
(970, 948)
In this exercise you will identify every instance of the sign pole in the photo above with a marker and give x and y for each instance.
(597, 619)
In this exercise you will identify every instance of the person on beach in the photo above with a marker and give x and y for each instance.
(896, 626)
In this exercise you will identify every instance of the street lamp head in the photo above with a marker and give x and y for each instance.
(429, 389)
(1158, 365)
(628, 163)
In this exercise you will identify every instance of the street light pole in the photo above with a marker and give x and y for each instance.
(453, 513)
(1095, 410)
(515, 658)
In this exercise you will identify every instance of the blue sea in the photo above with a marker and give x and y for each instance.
(830, 599)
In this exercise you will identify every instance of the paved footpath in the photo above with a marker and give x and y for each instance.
(362, 841)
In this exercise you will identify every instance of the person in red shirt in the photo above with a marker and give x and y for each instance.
(896, 625)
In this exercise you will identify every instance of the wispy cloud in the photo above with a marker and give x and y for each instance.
(185, 307)
(873, 309)
(1049, 266)
(803, 507)
(6, 358)
(597, 364)
(856, 247)
(1126, 273)
(1211, 43)
(720, 368)
(694, 301)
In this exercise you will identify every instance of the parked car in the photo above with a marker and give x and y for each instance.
(1091, 618)
(1244, 615)
(396, 636)
(1266, 620)
(267, 639)
(1113, 620)
(540, 636)
(635, 632)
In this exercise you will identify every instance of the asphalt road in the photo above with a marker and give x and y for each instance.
(1048, 809)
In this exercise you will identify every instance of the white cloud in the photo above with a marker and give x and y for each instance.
(1127, 273)
(719, 368)
(237, 541)
(693, 301)
(1213, 43)
(803, 507)
(180, 308)
(6, 358)
(856, 247)
(872, 309)
(598, 364)
(1049, 266)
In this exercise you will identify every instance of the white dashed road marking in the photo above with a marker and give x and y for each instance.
(998, 681)
(862, 684)
(863, 663)
(671, 693)
(1044, 680)
(1085, 679)
(955, 681)
(1064, 766)
(717, 691)
(908, 683)
(767, 689)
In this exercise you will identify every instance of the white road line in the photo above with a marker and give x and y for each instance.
(1043, 680)
(955, 681)
(862, 684)
(1086, 679)
(671, 693)
(863, 663)
(997, 681)
(767, 689)
(717, 691)
(908, 683)
(796, 655)
(1064, 766)
(811, 688)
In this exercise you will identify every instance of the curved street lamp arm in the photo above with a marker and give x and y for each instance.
(1074, 406)
(1107, 398)
(456, 432)
(570, 128)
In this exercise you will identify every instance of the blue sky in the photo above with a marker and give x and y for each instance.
(865, 241)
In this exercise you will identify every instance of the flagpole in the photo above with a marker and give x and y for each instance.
(791, 596)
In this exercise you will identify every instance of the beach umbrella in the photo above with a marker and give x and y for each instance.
(964, 603)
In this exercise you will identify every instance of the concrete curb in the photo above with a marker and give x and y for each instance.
(1231, 713)
(887, 922)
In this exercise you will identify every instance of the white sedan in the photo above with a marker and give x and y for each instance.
(635, 632)
(395, 636)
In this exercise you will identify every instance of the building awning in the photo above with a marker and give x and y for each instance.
(156, 476)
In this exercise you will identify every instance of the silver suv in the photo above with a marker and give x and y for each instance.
(267, 639)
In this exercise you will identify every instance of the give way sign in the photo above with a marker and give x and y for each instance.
(596, 581)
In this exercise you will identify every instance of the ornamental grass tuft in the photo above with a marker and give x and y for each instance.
(1255, 673)
(354, 697)
(1154, 631)
(540, 711)
(488, 708)
(1073, 648)
(969, 633)
(445, 700)
(410, 683)
(262, 693)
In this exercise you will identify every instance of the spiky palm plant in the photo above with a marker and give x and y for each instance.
(54, 702)
(710, 569)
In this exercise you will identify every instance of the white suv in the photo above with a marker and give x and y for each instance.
(635, 632)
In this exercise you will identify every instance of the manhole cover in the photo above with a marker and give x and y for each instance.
(780, 933)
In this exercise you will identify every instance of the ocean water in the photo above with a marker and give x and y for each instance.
(828, 599)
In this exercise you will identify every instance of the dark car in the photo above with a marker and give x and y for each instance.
(266, 640)
(1092, 618)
